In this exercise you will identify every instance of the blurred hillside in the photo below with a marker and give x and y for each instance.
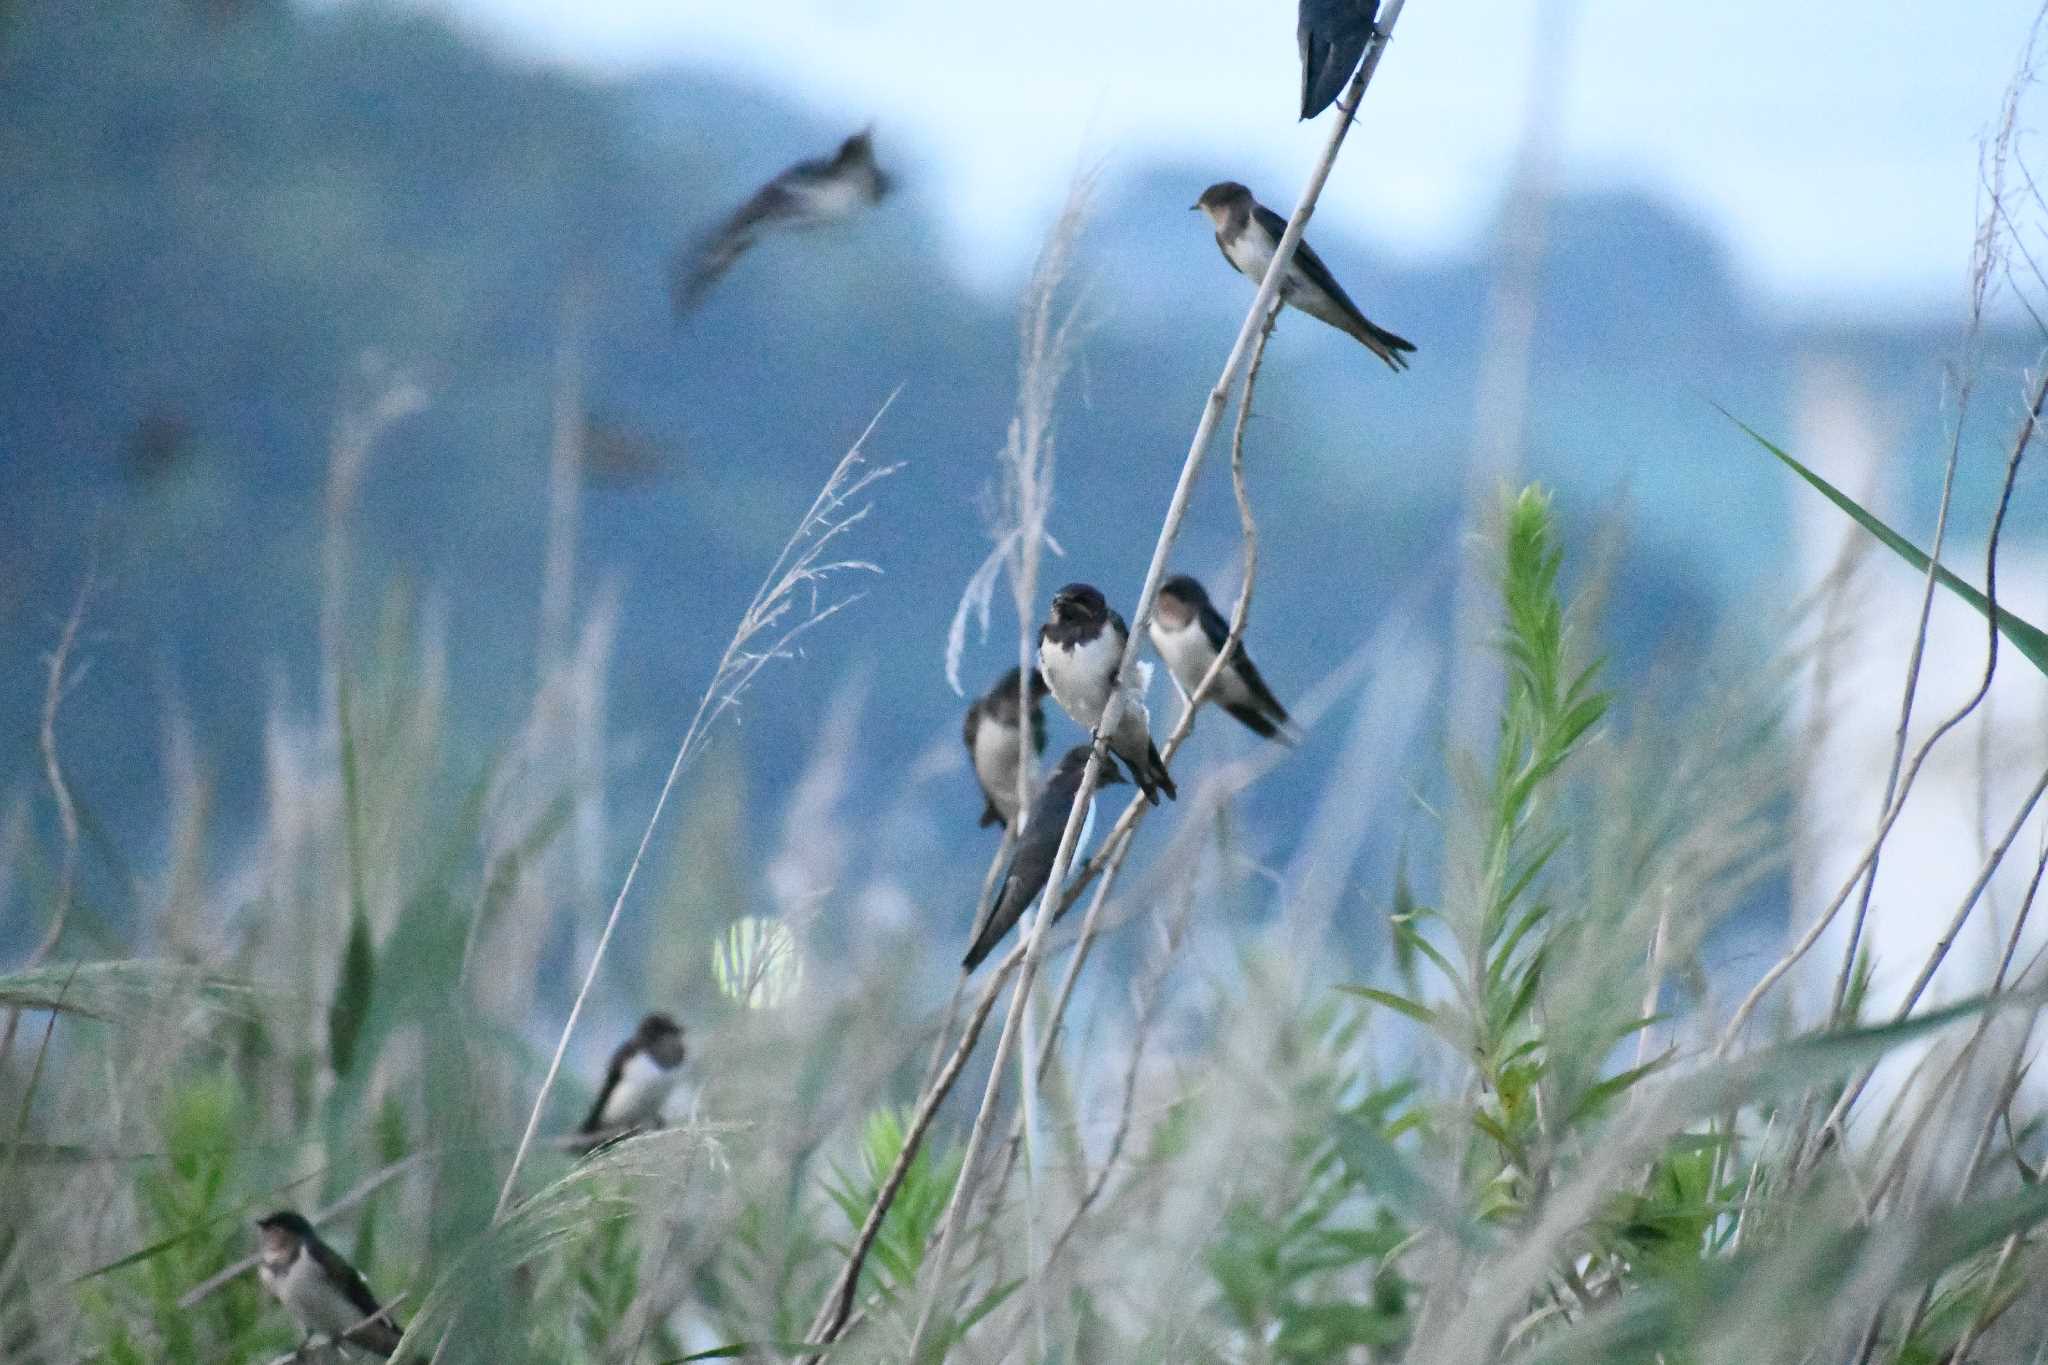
(217, 212)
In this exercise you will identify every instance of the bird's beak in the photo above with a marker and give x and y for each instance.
(1193, 207)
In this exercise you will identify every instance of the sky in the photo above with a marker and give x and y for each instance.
(1832, 145)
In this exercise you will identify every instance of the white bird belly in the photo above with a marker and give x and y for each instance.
(997, 751)
(1251, 253)
(830, 198)
(1186, 651)
(1081, 675)
(642, 1089)
(308, 1296)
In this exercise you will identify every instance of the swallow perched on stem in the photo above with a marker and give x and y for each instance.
(1332, 35)
(1079, 648)
(808, 194)
(643, 1071)
(1248, 233)
(1189, 633)
(994, 734)
(1039, 843)
(319, 1288)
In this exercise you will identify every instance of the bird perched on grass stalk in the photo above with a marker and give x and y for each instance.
(1332, 35)
(994, 733)
(1079, 648)
(1039, 843)
(643, 1071)
(1189, 633)
(1248, 233)
(319, 1288)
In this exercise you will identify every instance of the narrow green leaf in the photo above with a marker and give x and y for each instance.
(1818, 1058)
(1400, 1004)
(2030, 640)
(351, 1003)
(1382, 1169)
(746, 1348)
(1599, 1094)
(1421, 944)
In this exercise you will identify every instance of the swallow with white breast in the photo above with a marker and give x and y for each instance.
(1247, 232)
(319, 1288)
(1189, 633)
(1079, 648)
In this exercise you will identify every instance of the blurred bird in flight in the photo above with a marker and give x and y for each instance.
(809, 194)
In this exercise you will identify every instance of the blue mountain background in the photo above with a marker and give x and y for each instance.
(215, 211)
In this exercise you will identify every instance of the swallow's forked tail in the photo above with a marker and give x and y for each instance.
(1153, 778)
(1388, 346)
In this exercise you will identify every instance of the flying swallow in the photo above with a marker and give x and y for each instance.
(1038, 845)
(643, 1071)
(995, 743)
(319, 1288)
(1332, 35)
(1248, 231)
(808, 194)
(1079, 647)
(1189, 633)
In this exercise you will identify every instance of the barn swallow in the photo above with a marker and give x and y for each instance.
(1079, 648)
(1039, 844)
(1189, 632)
(1332, 35)
(319, 1288)
(1248, 231)
(637, 1083)
(995, 743)
(808, 194)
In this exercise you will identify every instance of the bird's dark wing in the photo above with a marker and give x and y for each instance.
(1214, 628)
(1217, 631)
(343, 1277)
(1009, 908)
(1037, 847)
(1311, 264)
(1120, 632)
(1037, 728)
(1332, 35)
(1224, 251)
(989, 814)
(595, 1120)
(700, 267)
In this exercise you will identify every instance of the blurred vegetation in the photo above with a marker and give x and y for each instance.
(345, 847)
(1536, 1175)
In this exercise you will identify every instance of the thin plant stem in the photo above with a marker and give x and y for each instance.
(938, 1262)
(797, 569)
(1119, 843)
(58, 680)
(1740, 1018)
(838, 1306)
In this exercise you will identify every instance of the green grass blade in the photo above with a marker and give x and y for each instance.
(2030, 640)
(1400, 1004)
